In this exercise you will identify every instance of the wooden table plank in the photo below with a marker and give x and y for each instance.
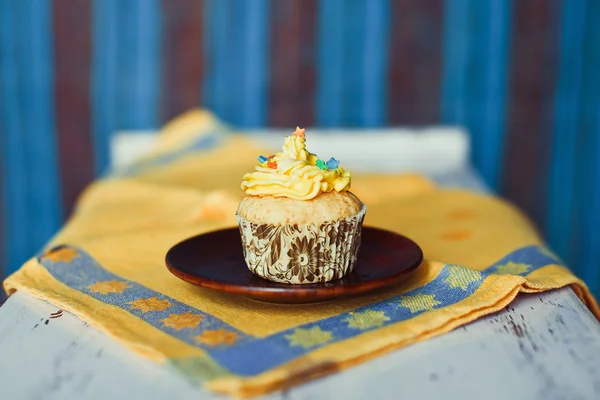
(543, 346)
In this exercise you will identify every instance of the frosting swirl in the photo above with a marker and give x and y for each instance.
(295, 173)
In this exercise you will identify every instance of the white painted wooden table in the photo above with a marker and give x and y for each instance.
(543, 346)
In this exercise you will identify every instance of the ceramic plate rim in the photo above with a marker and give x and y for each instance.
(319, 290)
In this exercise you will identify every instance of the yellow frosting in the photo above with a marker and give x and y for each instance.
(294, 173)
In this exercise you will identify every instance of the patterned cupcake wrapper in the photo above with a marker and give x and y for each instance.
(302, 254)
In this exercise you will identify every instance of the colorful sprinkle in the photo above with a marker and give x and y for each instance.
(262, 159)
(272, 164)
(299, 132)
(333, 163)
(321, 164)
(271, 156)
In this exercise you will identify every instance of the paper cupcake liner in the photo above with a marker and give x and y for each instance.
(302, 254)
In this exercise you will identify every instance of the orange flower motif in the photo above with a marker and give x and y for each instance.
(182, 321)
(299, 132)
(63, 254)
(272, 164)
(150, 304)
(217, 337)
(107, 287)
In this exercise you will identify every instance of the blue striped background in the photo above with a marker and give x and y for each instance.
(584, 246)
(456, 53)
(223, 34)
(30, 185)
(138, 76)
(488, 130)
(330, 63)
(104, 79)
(374, 60)
(477, 37)
(351, 57)
(353, 48)
(566, 126)
(254, 62)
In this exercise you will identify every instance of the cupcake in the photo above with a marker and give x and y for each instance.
(298, 221)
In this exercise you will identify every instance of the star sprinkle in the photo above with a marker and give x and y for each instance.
(321, 164)
(272, 164)
(333, 163)
(262, 159)
(299, 132)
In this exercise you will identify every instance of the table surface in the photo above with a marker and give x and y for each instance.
(543, 346)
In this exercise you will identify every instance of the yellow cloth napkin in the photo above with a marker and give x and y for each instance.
(107, 267)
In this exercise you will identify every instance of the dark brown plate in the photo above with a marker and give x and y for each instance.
(214, 260)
